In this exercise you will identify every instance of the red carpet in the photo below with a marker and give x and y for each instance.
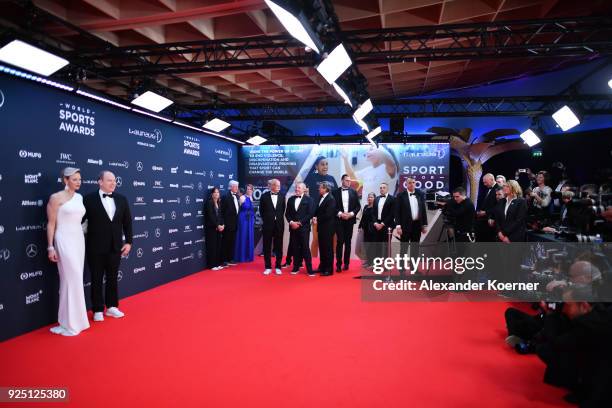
(236, 338)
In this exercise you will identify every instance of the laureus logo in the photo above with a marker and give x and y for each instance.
(2, 99)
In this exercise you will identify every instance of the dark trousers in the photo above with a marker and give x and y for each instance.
(301, 248)
(370, 244)
(229, 240)
(344, 233)
(522, 324)
(213, 247)
(326, 249)
(410, 240)
(273, 235)
(484, 233)
(99, 266)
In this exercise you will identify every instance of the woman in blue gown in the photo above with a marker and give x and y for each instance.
(245, 243)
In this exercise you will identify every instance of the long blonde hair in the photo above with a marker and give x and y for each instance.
(515, 188)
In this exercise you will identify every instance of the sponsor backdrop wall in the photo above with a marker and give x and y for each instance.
(164, 170)
(428, 163)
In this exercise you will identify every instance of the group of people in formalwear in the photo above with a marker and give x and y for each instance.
(105, 217)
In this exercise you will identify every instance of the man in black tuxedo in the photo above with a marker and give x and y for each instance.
(272, 211)
(410, 217)
(230, 206)
(347, 208)
(108, 220)
(383, 217)
(298, 215)
(324, 218)
(462, 213)
(485, 207)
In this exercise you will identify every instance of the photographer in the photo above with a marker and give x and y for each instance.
(575, 215)
(461, 214)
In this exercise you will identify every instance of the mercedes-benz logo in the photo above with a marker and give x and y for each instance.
(211, 174)
(158, 135)
(119, 276)
(139, 252)
(1, 229)
(5, 254)
(139, 166)
(31, 250)
(200, 186)
(157, 232)
(173, 215)
(119, 181)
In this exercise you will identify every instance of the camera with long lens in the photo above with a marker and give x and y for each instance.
(554, 265)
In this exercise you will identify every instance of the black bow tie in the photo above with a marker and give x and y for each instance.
(274, 193)
(411, 194)
(383, 196)
(345, 189)
(298, 197)
(107, 195)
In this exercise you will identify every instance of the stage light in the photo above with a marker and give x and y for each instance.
(343, 94)
(566, 118)
(530, 138)
(363, 110)
(294, 26)
(151, 115)
(152, 101)
(102, 99)
(335, 64)
(177, 122)
(257, 140)
(610, 83)
(362, 124)
(35, 78)
(33, 59)
(216, 125)
(370, 136)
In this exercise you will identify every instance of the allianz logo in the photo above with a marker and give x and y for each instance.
(31, 178)
(200, 227)
(142, 218)
(157, 168)
(97, 162)
(187, 243)
(157, 249)
(221, 175)
(174, 260)
(188, 172)
(29, 275)
(158, 200)
(174, 185)
(172, 230)
(25, 154)
(31, 203)
(158, 264)
(141, 269)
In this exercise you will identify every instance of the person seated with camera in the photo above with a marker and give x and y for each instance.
(461, 214)
(541, 195)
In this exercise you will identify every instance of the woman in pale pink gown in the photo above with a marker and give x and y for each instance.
(67, 247)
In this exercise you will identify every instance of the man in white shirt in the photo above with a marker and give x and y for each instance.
(347, 208)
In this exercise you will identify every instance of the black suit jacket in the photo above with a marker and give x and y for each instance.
(303, 213)
(212, 218)
(388, 211)
(105, 235)
(271, 217)
(230, 215)
(326, 212)
(487, 202)
(403, 212)
(513, 224)
(353, 204)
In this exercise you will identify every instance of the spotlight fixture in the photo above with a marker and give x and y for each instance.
(295, 23)
(610, 83)
(335, 64)
(566, 118)
(216, 125)
(257, 140)
(363, 110)
(530, 138)
(33, 59)
(343, 94)
(152, 101)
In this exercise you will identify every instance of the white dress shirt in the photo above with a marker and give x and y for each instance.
(274, 199)
(109, 204)
(381, 204)
(235, 198)
(508, 202)
(322, 198)
(414, 205)
(345, 200)
(298, 200)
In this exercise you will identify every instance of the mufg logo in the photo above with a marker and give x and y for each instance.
(2, 98)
